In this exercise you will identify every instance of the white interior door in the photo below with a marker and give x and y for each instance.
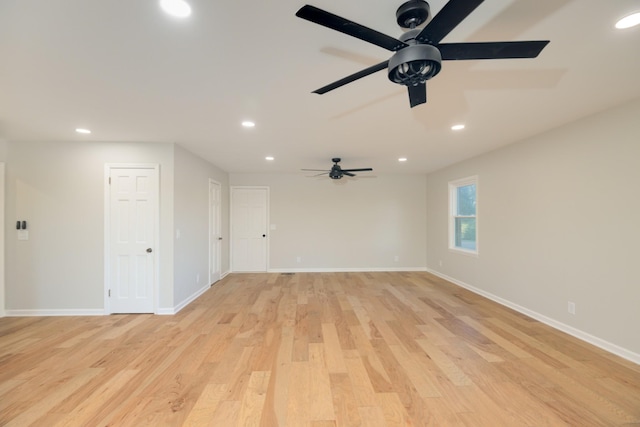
(133, 217)
(215, 236)
(249, 210)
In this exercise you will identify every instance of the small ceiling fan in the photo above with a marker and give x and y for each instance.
(336, 172)
(419, 53)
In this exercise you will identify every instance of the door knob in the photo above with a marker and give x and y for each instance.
(149, 250)
(264, 235)
(219, 238)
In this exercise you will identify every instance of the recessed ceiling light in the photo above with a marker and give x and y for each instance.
(402, 159)
(629, 21)
(248, 124)
(81, 130)
(177, 8)
(457, 127)
(269, 158)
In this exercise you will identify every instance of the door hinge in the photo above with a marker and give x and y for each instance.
(109, 180)
(109, 293)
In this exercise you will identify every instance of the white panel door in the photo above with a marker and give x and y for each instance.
(132, 246)
(249, 208)
(215, 236)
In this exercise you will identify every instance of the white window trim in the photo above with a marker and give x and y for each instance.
(453, 185)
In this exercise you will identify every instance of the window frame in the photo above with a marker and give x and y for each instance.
(453, 205)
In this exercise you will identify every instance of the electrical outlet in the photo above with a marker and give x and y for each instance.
(571, 307)
(198, 278)
(396, 258)
(298, 259)
(440, 263)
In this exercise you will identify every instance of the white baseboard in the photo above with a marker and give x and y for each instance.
(56, 312)
(183, 304)
(344, 270)
(598, 342)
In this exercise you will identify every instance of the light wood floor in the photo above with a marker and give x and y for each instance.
(321, 350)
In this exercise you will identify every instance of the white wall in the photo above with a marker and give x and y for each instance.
(58, 188)
(359, 224)
(191, 216)
(3, 155)
(559, 221)
(2, 198)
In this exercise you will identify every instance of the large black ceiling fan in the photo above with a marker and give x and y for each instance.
(419, 53)
(336, 172)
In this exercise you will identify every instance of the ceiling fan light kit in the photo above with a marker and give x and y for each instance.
(336, 172)
(418, 54)
(414, 65)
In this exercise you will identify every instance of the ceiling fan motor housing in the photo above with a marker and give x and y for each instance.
(414, 64)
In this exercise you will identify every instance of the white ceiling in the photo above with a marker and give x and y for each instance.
(129, 72)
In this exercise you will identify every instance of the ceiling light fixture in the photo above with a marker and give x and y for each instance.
(457, 127)
(177, 8)
(628, 21)
(402, 159)
(270, 158)
(248, 124)
(81, 130)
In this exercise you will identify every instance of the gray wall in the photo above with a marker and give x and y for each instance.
(58, 188)
(191, 217)
(344, 224)
(558, 221)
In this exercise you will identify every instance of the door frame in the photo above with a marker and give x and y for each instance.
(267, 222)
(108, 167)
(217, 241)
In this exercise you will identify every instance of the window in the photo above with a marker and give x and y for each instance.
(463, 221)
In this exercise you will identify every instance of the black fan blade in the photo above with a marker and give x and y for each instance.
(316, 170)
(319, 174)
(357, 170)
(344, 172)
(417, 94)
(492, 50)
(335, 22)
(447, 19)
(352, 77)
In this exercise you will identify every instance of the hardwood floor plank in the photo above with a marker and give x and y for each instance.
(206, 405)
(299, 400)
(319, 385)
(344, 401)
(301, 335)
(252, 402)
(332, 350)
(278, 393)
